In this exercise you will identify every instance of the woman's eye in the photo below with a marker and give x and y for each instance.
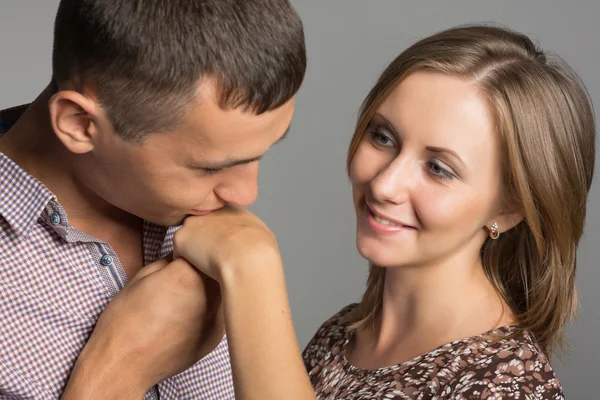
(439, 171)
(380, 137)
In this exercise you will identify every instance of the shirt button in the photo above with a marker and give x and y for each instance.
(55, 218)
(106, 260)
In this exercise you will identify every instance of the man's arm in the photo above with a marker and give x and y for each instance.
(100, 374)
(164, 321)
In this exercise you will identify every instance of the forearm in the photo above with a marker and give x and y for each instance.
(265, 357)
(99, 374)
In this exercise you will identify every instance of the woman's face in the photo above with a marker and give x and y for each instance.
(426, 175)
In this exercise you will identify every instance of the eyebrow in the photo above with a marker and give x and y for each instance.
(386, 122)
(432, 149)
(234, 163)
(443, 150)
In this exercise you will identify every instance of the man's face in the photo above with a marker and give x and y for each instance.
(211, 160)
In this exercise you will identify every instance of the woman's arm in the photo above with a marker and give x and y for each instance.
(236, 249)
(265, 357)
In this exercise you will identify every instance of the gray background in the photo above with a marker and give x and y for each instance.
(305, 196)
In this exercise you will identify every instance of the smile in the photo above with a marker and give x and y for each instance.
(384, 226)
(384, 221)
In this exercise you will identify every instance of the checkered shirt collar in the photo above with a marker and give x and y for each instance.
(24, 198)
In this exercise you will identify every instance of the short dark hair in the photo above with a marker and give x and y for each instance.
(144, 58)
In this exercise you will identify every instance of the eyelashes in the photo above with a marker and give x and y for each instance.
(382, 139)
(439, 171)
(211, 171)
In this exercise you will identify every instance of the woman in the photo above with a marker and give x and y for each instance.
(470, 167)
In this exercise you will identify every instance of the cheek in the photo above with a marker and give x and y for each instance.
(450, 210)
(366, 165)
(359, 177)
(183, 189)
(162, 186)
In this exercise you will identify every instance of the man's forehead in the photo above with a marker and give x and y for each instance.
(225, 160)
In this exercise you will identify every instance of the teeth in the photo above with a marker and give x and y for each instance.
(384, 221)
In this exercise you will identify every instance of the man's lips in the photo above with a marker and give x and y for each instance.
(203, 212)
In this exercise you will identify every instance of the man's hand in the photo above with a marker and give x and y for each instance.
(165, 320)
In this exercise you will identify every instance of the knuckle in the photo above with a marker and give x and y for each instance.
(185, 275)
(179, 238)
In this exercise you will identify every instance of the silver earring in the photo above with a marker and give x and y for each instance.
(494, 232)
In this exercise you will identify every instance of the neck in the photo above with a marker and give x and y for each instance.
(32, 144)
(435, 304)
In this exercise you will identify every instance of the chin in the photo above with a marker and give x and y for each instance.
(378, 254)
(167, 221)
(383, 262)
(175, 221)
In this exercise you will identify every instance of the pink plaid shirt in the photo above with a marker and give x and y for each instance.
(55, 281)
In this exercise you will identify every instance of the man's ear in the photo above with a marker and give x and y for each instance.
(74, 120)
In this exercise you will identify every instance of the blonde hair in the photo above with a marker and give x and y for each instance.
(546, 123)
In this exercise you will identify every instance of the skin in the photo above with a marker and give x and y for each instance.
(431, 162)
(179, 310)
(236, 249)
(108, 186)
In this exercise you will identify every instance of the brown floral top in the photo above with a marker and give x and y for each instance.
(472, 368)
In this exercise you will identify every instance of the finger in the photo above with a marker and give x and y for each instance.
(152, 268)
(213, 333)
(206, 273)
(182, 270)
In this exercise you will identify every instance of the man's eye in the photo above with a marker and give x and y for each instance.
(212, 171)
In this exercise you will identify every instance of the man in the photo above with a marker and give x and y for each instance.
(157, 110)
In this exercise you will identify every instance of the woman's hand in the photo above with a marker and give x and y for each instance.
(223, 242)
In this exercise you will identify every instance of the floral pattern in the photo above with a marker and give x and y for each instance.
(509, 366)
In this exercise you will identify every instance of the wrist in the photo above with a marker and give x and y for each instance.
(250, 268)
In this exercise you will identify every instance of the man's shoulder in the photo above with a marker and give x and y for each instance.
(22, 197)
(9, 116)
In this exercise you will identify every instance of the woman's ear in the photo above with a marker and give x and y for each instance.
(505, 221)
(73, 117)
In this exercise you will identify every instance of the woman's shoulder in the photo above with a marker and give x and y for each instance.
(511, 367)
(335, 327)
(331, 334)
